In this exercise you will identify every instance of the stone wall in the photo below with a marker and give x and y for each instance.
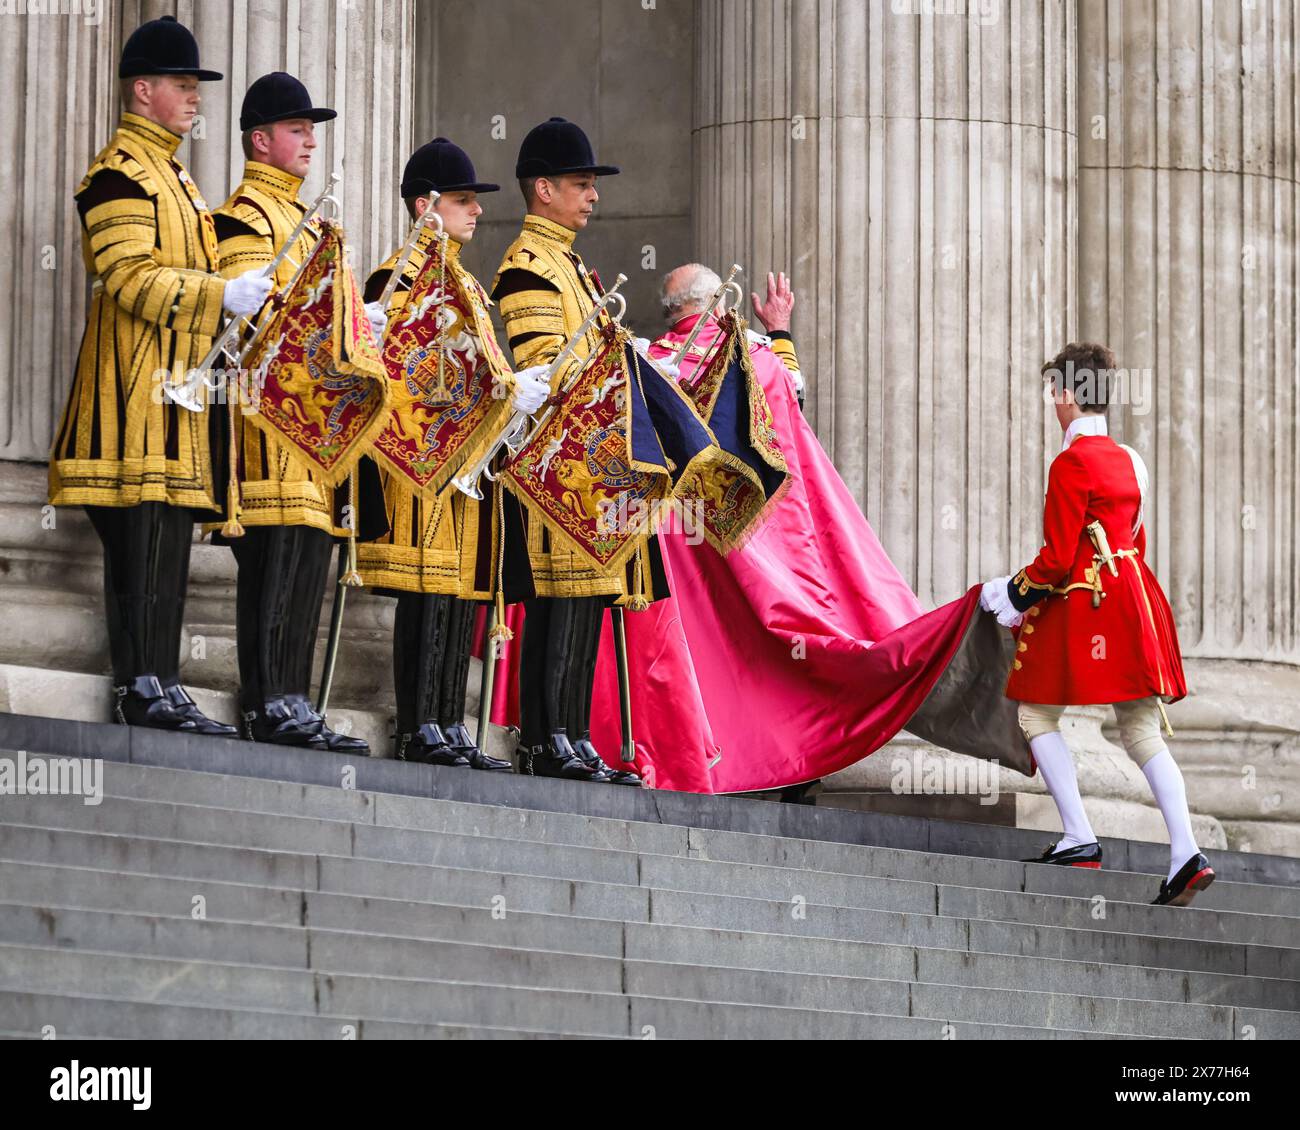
(486, 74)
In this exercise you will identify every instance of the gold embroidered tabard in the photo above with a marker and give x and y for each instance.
(552, 312)
(276, 487)
(434, 545)
(150, 247)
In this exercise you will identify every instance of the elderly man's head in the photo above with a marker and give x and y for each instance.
(687, 290)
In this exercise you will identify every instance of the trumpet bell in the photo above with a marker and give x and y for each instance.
(468, 486)
(184, 396)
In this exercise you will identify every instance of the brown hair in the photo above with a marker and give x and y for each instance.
(126, 88)
(1085, 369)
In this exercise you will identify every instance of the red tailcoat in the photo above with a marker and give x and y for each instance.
(1068, 651)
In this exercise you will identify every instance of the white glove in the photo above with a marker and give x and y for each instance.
(531, 389)
(799, 384)
(665, 366)
(245, 295)
(669, 370)
(994, 598)
(378, 318)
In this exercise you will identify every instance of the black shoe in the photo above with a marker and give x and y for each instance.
(1194, 875)
(146, 702)
(428, 746)
(458, 737)
(802, 794)
(276, 722)
(180, 699)
(557, 759)
(334, 741)
(1082, 855)
(588, 755)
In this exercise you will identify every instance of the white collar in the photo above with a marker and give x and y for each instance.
(1089, 424)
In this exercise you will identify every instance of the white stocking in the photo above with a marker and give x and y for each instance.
(1057, 767)
(1166, 781)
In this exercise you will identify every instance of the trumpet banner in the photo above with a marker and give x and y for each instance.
(439, 425)
(730, 498)
(600, 468)
(318, 384)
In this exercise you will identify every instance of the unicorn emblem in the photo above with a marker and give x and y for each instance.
(419, 311)
(317, 292)
(599, 393)
(548, 456)
(463, 342)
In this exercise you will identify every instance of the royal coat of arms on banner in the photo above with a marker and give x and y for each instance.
(317, 382)
(444, 409)
(599, 468)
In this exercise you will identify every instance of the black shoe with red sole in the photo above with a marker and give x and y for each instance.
(1194, 875)
(1081, 855)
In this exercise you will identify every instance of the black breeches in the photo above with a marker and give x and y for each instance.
(282, 575)
(146, 575)
(557, 665)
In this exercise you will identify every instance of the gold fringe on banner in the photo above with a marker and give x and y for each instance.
(232, 528)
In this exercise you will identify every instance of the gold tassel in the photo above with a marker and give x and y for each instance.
(444, 393)
(500, 632)
(352, 578)
(1165, 717)
(637, 602)
(232, 528)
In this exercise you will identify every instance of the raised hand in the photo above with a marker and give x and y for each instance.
(775, 312)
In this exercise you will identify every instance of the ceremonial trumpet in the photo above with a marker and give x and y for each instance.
(186, 395)
(408, 249)
(513, 435)
(718, 299)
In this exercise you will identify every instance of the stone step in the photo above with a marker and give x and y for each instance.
(345, 898)
(83, 889)
(52, 971)
(910, 833)
(287, 798)
(35, 1016)
(164, 820)
(626, 902)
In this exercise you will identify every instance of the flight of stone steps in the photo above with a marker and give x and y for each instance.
(229, 890)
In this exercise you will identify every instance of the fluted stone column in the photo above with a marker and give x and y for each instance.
(1187, 261)
(58, 86)
(356, 57)
(914, 173)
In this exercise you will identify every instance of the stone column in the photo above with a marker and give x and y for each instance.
(1187, 260)
(914, 174)
(913, 170)
(58, 82)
